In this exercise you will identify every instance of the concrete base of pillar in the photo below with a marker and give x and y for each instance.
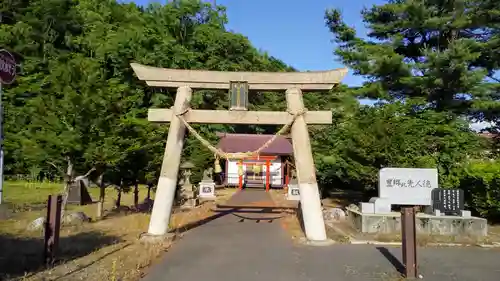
(312, 213)
(148, 238)
(320, 243)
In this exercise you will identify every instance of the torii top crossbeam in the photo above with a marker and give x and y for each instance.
(259, 81)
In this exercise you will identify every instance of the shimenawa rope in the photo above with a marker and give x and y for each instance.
(219, 153)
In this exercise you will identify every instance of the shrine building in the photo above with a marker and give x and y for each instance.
(270, 169)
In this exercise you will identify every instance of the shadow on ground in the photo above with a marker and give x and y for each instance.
(254, 213)
(144, 207)
(21, 255)
(398, 265)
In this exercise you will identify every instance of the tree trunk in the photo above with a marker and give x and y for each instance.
(119, 197)
(136, 194)
(68, 179)
(149, 191)
(102, 194)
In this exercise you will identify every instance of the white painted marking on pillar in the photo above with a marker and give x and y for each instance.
(158, 225)
(312, 214)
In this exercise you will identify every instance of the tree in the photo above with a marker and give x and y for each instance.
(78, 98)
(436, 52)
(432, 65)
(352, 152)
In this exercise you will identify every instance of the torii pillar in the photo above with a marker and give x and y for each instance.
(167, 184)
(291, 82)
(310, 203)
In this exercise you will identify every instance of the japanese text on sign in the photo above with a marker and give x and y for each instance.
(449, 201)
(408, 183)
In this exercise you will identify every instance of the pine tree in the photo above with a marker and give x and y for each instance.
(438, 52)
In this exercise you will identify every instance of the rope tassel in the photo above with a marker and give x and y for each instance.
(218, 169)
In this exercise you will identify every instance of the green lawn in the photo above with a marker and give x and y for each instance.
(106, 249)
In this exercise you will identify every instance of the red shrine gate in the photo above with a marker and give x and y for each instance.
(266, 169)
(255, 175)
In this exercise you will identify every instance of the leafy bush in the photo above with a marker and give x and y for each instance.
(481, 184)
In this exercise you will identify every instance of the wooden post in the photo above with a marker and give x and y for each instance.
(268, 176)
(409, 237)
(102, 194)
(310, 203)
(164, 199)
(52, 227)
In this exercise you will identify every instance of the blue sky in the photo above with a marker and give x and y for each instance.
(295, 32)
(292, 30)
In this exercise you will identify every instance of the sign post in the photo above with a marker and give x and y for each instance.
(409, 242)
(7, 76)
(52, 228)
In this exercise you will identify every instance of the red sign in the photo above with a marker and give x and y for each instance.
(7, 67)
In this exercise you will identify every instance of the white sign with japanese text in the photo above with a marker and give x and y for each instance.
(293, 190)
(407, 186)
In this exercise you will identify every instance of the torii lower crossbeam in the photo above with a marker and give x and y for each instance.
(160, 115)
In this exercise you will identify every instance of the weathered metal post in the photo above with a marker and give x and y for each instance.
(409, 237)
(164, 199)
(52, 227)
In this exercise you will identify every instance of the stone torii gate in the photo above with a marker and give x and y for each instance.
(293, 83)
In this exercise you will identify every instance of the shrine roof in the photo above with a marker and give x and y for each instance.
(234, 143)
(488, 135)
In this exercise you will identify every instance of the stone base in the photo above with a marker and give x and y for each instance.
(190, 204)
(426, 224)
(322, 243)
(208, 198)
(155, 239)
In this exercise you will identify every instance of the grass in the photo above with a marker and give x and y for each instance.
(107, 249)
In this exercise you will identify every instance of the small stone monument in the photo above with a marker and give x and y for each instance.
(293, 189)
(402, 186)
(78, 192)
(449, 202)
(207, 185)
(444, 211)
(188, 191)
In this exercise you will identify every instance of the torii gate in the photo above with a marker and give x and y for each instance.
(293, 83)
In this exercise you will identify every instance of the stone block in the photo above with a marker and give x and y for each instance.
(425, 224)
(293, 191)
(465, 214)
(207, 190)
(367, 208)
(190, 203)
(407, 186)
(381, 205)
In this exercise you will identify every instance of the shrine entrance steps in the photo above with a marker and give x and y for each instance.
(254, 183)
